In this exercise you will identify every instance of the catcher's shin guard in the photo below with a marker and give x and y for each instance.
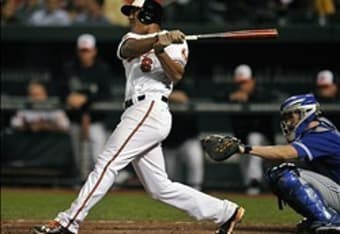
(286, 183)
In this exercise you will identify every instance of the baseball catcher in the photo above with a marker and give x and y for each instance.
(315, 193)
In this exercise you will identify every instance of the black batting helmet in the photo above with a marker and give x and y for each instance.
(151, 11)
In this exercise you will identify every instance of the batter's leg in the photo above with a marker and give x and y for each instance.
(151, 171)
(136, 134)
(96, 186)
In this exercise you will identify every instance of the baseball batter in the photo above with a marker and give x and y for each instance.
(153, 59)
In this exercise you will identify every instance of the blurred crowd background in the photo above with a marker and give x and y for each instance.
(100, 12)
(62, 87)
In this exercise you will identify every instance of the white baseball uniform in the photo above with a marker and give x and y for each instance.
(137, 139)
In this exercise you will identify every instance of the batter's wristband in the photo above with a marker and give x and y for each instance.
(159, 50)
(247, 149)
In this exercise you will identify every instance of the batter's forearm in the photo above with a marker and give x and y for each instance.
(137, 47)
(277, 152)
(173, 69)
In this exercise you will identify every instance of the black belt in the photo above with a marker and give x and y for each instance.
(129, 102)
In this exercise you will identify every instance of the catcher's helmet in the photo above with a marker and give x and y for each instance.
(151, 11)
(308, 109)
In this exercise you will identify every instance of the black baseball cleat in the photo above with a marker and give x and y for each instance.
(52, 227)
(228, 227)
(304, 226)
(328, 230)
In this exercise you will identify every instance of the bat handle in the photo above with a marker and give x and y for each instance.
(191, 37)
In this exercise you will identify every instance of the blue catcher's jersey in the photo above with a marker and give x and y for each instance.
(320, 148)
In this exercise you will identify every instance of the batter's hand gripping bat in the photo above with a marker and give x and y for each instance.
(240, 34)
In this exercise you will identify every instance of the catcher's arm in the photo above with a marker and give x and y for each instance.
(220, 148)
(275, 152)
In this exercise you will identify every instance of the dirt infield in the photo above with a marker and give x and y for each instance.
(146, 227)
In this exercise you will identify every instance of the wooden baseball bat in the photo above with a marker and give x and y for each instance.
(240, 34)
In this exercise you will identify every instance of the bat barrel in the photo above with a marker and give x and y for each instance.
(241, 34)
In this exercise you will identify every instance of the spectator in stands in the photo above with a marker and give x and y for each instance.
(36, 120)
(77, 10)
(215, 11)
(94, 15)
(83, 81)
(184, 11)
(282, 11)
(26, 10)
(324, 9)
(112, 11)
(182, 147)
(252, 130)
(8, 9)
(51, 15)
(326, 87)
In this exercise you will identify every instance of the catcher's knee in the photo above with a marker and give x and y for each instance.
(282, 178)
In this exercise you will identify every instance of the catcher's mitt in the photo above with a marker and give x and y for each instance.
(219, 147)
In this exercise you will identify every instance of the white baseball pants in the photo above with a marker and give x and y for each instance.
(137, 138)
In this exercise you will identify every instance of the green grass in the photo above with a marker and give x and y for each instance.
(26, 204)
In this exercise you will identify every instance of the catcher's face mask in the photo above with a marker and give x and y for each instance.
(288, 122)
(296, 114)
